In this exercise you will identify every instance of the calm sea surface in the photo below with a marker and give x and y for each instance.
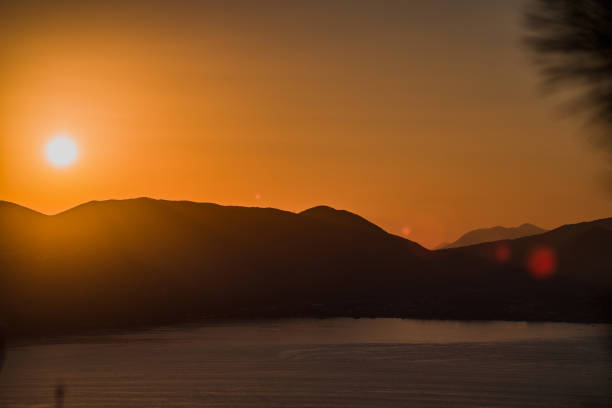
(319, 363)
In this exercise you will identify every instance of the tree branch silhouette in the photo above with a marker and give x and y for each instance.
(571, 41)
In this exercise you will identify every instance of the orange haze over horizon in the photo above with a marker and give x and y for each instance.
(423, 117)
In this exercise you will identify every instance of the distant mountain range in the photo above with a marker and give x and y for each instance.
(498, 233)
(134, 262)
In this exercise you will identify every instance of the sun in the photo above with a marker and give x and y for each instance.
(61, 151)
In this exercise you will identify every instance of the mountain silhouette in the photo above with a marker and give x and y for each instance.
(580, 249)
(497, 233)
(341, 218)
(122, 263)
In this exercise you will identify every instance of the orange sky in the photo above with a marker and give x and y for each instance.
(413, 114)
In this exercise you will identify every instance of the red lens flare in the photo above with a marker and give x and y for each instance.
(406, 230)
(542, 262)
(502, 253)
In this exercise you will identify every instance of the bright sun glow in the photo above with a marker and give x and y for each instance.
(61, 151)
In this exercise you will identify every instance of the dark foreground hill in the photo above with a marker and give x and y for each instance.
(144, 261)
(498, 233)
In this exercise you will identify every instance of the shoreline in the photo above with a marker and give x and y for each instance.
(22, 339)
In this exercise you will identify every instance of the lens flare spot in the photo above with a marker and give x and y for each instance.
(542, 262)
(258, 196)
(502, 253)
(406, 231)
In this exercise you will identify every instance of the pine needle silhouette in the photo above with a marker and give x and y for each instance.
(571, 41)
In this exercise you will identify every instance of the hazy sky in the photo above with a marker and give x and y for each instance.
(420, 114)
